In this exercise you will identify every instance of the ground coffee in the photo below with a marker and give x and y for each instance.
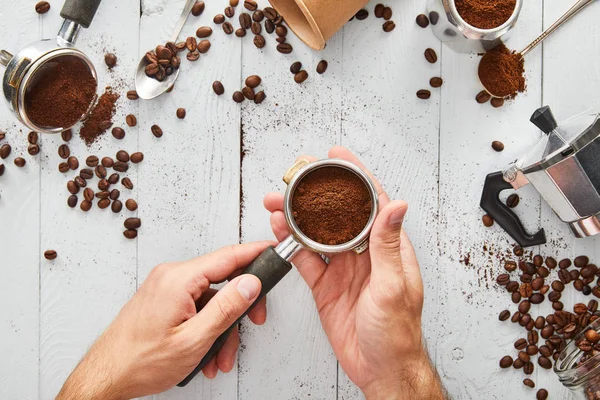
(100, 119)
(60, 93)
(331, 205)
(486, 14)
(502, 71)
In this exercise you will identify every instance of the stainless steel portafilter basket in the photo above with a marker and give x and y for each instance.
(24, 67)
(274, 263)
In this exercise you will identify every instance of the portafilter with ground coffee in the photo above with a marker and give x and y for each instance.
(274, 263)
(36, 62)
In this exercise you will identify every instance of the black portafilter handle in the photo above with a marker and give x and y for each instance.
(504, 216)
(270, 268)
(80, 11)
(544, 119)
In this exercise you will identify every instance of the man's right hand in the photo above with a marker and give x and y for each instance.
(370, 305)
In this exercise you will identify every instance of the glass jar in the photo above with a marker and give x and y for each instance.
(584, 379)
(452, 29)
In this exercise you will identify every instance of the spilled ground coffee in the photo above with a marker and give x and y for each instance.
(486, 14)
(331, 205)
(100, 119)
(501, 72)
(60, 94)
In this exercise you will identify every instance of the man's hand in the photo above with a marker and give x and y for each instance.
(370, 305)
(159, 337)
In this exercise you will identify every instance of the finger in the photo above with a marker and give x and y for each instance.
(210, 370)
(273, 202)
(345, 154)
(205, 298)
(226, 356)
(258, 314)
(223, 310)
(310, 265)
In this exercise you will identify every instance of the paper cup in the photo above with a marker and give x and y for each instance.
(316, 21)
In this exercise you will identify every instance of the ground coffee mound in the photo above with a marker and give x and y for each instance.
(100, 119)
(502, 71)
(60, 93)
(486, 14)
(331, 205)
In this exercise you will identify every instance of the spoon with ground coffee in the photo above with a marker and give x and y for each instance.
(159, 68)
(501, 71)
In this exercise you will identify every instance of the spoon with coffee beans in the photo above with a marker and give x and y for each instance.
(501, 70)
(159, 68)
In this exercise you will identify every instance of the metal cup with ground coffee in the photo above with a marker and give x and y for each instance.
(330, 207)
(473, 26)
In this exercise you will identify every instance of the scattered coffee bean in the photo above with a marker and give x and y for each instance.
(72, 201)
(504, 315)
(198, 8)
(181, 113)
(259, 41)
(126, 182)
(387, 13)
(136, 158)
(114, 194)
(528, 383)
(253, 81)
(269, 26)
(73, 163)
(389, 26)
(434, 17)
(229, 12)
(50, 254)
(88, 194)
(518, 251)
(301, 76)
(258, 16)
(32, 137)
(33, 149)
(322, 67)
(270, 13)
(281, 31)
(132, 95)
(296, 67)
(362, 14)
(512, 201)
(250, 5)
(423, 94)
(259, 97)
(506, 362)
(131, 120)
(5, 151)
(116, 206)
(422, 20)
(121, 166)
(431, 56)
(227, 28)
(203, 46)
(436, 82)
(103, 194)
(497, 146)
(284, 48)
(130, 234)
(156, 131)
(219, 19)
(191, 44)
(86, 205)
(497, 102)
(107, 162)
(218, 88)
(72, 187)
(510, 266)
(131, 204)
(245, 21)
(20, 162)
(204, 32)
(63, 151)
(103, 203)
(132, 223)
(123, 156)
(238, 97)
(63, 167)
(113, 178)
(487, 220)
(110, 60)
(42, 7)
(542, 394)
(118, 133)
(66, 135)
(248, 93)
(91, 161)
(483, 97)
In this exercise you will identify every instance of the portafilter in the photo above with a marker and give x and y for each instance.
(34, 61)
(274, 263)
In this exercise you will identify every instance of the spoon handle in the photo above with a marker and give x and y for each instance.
(187, 9)
(580, 5)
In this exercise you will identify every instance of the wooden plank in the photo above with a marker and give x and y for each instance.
(95, 272)
(19, 231)
(189, 182)
(289, 357)
(471, 340)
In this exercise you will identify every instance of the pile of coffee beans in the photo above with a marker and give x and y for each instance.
(163, 60)
(533, 286)
(6, 150)
(381, 11)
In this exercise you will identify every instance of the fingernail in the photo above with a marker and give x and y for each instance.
(249, 287)
(397, 217)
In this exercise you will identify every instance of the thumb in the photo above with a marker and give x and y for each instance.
(227, 305)
(385, 242)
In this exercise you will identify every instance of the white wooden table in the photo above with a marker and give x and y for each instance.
(196, 193)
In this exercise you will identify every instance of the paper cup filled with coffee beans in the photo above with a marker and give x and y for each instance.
(473, 26)
(316, 21)
(330, 207)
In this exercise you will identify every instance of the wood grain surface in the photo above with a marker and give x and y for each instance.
(200, 187)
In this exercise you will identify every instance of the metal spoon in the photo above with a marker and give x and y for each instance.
(149, 88)
(579, 5)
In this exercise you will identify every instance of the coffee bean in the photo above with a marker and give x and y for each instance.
(103, 194)
(238, 97)
(103, 203)
(550, 262)
(524, 357)
(532, 349)
(503, 279)
(504, 315)
(253, 81)
(423, 94)
(229, 12)
(547, 331)
(296, 67)
(136, 158)
(544, 289)
(259, 97)
(528, 383)
(152, 69)
(126, 182)
(269, 26)
(528, 368)
(72, 187)
(259, 41)
(250, 5)
(361, 14)
(118, 133)
(218, 88)
(518, 364)
(431, 56)
(110, 60)
(50, 254)
(497, 102)
(301, 76)
(596, 291)
(536, 298)
(131, 205)
(387, 13)
(130, 233)
(545, 351)
(524, 307)
(100, 171)
(525, 290)
(564, 264)
(131, 120)
(180, 113)
(42, 7)
(555, 296)
(557, 305)
(422, 20)
(526, 278)
(191, 44)
(258, 16)
(512, 287)
(512, 201)
(113, 178)
(204, 32)
(33, 149)
(72, 201)
(284, 48)
(506, 362)
(116, 206)
(516, 297)
(103, 184)
(483, 97)
(32, 137)
(487, 220)
(574, 275)
(587, 290)
(497, 146)
(80, 181)
(132, 223)
(86, 205)
(63, 167)
(544, 362)
(592, 306)
(163, 53)
(88, 194)
(73, 163)
(66, 135)
(114, 194)
(515, 317)
(156, 131)
(581, 261)
(245, 21)
(248, 93)
(322, 66)
(436, 82)
(63, 151)
(270, 13)
(132, 95)
(121, 166)
(592, 336)
(528, 268)
(219, 19)
(510, 266)
(256, 28)
(389, 26)
(537, 283)
(227, 28)
(520, 344)
(203, 46)
(281, 31)
(542, 394)
(533, 337)
(198, 8)
(107, 162)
